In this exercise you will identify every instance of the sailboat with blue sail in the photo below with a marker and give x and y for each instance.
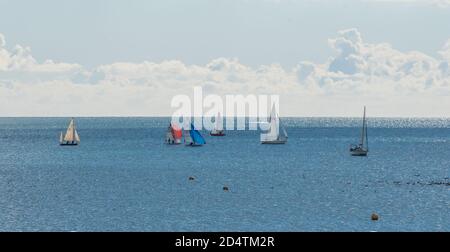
(193, 137)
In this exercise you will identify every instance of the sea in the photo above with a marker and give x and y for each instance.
(123, 177)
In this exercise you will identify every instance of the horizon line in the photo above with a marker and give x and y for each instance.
(166, 116)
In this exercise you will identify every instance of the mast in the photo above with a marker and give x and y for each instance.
(363, 134)
(73, 130)
(275, 122)
(219, 123)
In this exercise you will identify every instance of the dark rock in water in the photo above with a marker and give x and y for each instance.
(225, 188)
(191, 178)
(374, 217)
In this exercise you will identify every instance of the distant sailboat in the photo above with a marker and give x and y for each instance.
(71, 137)
(193, 137)
(274, 136)
(218, 127)
(360, 149)
(173, 134)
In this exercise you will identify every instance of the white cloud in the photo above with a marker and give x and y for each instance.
(390, 82)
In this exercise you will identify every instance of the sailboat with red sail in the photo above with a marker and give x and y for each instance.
(174, 134)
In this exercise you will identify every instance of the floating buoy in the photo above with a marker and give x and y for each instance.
(374, 217)
(191, 178)
(225, 188)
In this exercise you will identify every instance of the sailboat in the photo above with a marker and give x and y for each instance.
(218, 127)
(71, 137)
(360, 149)
(173, 134)
(193, 137)
(274, 136)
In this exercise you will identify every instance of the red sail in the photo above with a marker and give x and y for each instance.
(176, 132)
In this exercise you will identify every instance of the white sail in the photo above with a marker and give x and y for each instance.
(69, 136)
(284, 132)
(363, 131)
(274, 131)
(61, 137)
(219, 123)
(71, 133)
(77, 138)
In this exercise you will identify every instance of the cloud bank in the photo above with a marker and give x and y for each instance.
(388, 81)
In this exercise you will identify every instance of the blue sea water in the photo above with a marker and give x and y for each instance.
(124, 178)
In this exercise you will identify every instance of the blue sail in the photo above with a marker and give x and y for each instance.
(196, 136)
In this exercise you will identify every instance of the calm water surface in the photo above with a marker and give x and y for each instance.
(124, 178)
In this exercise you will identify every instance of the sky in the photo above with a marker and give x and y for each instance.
(129, 58)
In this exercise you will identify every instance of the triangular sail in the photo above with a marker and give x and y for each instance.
(77, 138)
(284, 131)
(274, 125)
(367, 139)
(176, 131)
(219, 124)
(273, 135)
(363, 132)
(70, 133)
(196, 136)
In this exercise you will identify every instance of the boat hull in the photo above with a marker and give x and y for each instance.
(68, 144)
(219, 133)
(194, 145)
(360, 153)
(173, 142)
(274, 142)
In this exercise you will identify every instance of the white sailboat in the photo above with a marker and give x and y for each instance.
(274, 136)
(71, 137)
(218, 127)
(363, 147)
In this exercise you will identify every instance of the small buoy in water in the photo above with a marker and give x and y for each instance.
(225, 188)
(374, 217)
(191, 178)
